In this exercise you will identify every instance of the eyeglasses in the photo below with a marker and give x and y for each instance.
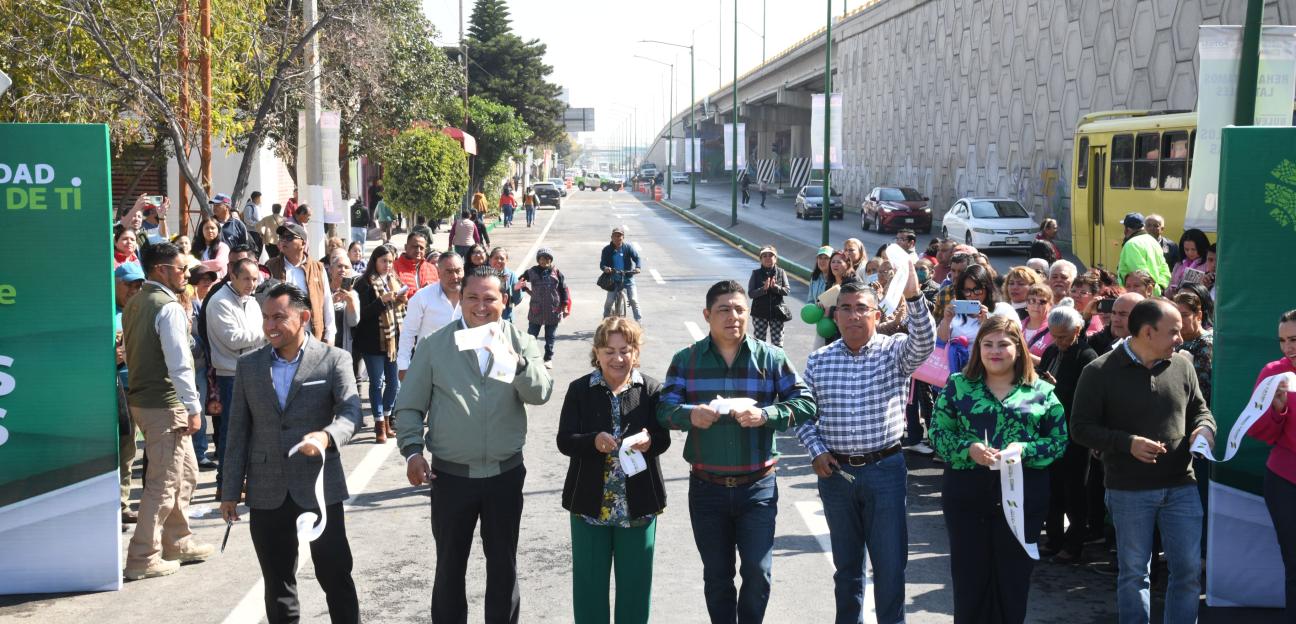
(978, 290)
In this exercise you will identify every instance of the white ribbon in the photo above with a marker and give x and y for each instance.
(307, 530)
(1260, 401)
(725, 406)
(900, 261)
(1011, 484)
(632, 461)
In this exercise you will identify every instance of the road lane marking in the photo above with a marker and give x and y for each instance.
(813, 514)
(251, 609)
(657, 276)
(694, 330)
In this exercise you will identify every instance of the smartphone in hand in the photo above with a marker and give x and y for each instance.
(967, 307)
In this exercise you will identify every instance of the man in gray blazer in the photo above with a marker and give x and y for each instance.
(295, 389)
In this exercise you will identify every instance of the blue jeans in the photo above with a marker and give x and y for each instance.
(1178, 513)
(360, 235)
(383, 383)
(632, 300)
(225, 394)
(551, 332)
(729, 518)
(508, 216)
(868, 517)
(530, 214)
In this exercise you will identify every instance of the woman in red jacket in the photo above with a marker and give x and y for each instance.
(1277, 428)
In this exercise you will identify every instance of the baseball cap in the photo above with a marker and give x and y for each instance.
(618, 230)
(198, 271)
(768, 249)
(826, 250)
(1133, 220)
(129, 272)
(221, 198)
(290, 231)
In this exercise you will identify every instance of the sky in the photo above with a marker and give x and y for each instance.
(592, 46)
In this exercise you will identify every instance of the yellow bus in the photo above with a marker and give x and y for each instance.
(1128, 161)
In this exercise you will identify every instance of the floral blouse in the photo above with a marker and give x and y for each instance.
(967, 412)
(615, 511)
(1202, 350)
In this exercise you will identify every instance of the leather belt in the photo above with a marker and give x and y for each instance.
(463, 470)
(733, 480)
(866, 458)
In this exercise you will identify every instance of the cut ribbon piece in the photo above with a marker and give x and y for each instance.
(1011, 485)
(900, 261)
(307, 530)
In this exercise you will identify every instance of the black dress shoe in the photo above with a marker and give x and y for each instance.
(207, 465)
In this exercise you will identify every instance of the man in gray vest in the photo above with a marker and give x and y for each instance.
(164, 404)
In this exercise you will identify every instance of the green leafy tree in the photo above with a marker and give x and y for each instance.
(499, 132)
(425, 172)
(507, 69)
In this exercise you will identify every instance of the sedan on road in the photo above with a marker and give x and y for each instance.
(990, 223)
(679, 177)
(548, 194)
(809, 202)
(558, 184)
(896, 207)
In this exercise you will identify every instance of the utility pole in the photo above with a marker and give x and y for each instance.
(204, 20)
(182, 66)
(733, 144)
(1249, 69)
(827, 164)
(463, 59)
(314, 174)
(693, 157)
(764, 14)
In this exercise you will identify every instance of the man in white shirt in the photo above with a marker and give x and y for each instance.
(164, 403)
(233, 329)
(431, 308)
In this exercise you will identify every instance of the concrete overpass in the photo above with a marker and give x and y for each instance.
(955, 97)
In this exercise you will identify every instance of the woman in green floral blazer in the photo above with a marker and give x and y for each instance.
(995, 403)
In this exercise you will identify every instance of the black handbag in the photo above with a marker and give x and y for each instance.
(606, 281)
(781, 313)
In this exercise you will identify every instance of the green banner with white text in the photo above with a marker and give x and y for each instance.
(59, 522)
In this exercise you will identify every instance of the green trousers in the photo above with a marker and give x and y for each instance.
(594, 550)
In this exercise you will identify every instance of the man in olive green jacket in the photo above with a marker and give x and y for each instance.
(474, 425)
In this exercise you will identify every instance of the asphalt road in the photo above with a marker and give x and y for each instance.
(388, 521)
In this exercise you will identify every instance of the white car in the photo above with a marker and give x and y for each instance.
(990, 223)
(679, 177)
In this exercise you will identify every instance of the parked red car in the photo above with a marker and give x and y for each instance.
(894, 208)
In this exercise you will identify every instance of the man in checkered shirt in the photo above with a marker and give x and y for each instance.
(860, 384)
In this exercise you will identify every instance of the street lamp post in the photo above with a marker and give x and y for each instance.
(669, 118)
(733, 147)
(827, 164)
(693, 153)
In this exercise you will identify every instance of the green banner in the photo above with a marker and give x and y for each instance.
(1258, 220)
(58, 410)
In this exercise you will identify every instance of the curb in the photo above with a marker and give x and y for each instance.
(738, 241)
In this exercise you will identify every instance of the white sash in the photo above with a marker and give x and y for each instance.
(1260, 401)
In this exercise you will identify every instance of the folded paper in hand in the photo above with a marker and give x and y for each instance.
(632, 461)
(504, 363)
(725, 406)
(475, 337)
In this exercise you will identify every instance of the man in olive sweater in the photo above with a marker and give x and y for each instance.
(475, 426)
(1141, 407)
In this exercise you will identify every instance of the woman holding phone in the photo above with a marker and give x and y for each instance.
(613, 513)
(996, 404)
(382, 309)
(974, 298)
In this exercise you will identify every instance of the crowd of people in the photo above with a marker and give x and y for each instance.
(1096, 382)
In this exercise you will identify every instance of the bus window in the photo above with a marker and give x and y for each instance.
(1082, 164)
(1145, 163)
(1174, 167)
(1122, 160)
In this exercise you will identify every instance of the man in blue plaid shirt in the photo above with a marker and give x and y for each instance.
(860, 384)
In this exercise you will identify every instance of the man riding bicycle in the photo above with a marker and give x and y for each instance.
(622, 261)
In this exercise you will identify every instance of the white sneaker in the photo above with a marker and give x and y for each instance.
(920, 448)
(548, 364)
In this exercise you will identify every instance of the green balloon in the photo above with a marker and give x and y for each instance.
(811, 313)
(826, 328)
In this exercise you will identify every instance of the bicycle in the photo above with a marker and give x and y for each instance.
(621, 302)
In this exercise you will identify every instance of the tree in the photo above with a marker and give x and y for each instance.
(115, 61)
(425, 172)
(500, 133)
(504, 68)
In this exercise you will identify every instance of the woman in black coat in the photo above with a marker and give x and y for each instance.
(613, 498)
